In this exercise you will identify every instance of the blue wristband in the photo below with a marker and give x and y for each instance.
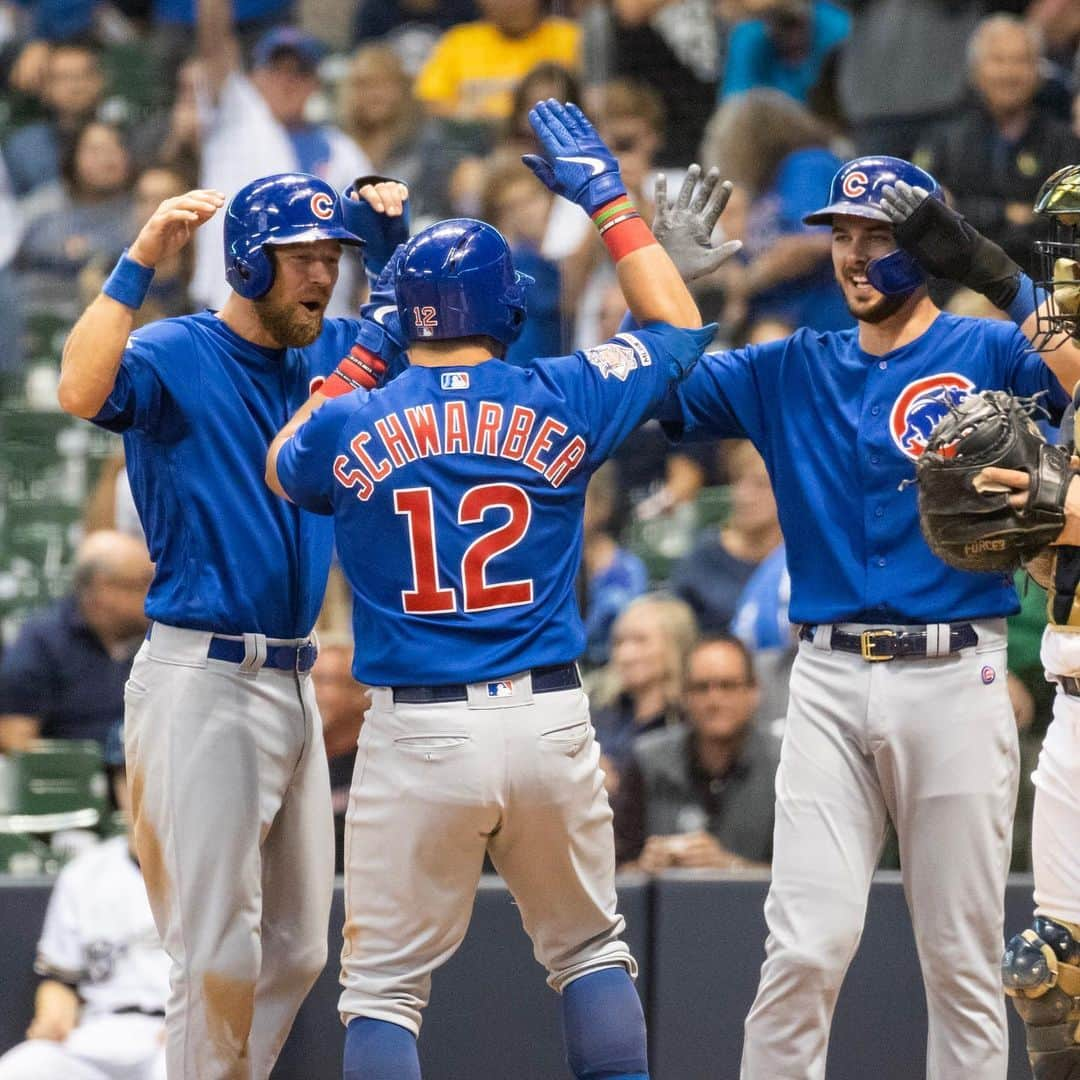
(129, 282)
(1028, 297)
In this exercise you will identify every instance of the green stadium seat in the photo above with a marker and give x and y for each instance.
(25, 856)
(54, 784)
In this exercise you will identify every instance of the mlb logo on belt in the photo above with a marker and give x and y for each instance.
(455, 380)
(502, 688)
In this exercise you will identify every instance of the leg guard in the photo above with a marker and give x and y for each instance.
(1041, 973)
(605, 1027)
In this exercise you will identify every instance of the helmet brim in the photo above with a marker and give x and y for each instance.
(307, 236)
(825, 215)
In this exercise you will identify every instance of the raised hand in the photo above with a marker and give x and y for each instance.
(684, 229)
(902, 200)
(173, 224)
(576, 163)
(376, 209)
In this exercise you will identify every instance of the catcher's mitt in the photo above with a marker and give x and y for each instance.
(975, 528)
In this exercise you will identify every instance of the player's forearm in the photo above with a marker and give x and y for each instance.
(1062, 356)
(92, 355)
(17, 732)
(653, 290)
(790, 257)
(216, 41)
(56, 1011)
(283, 436)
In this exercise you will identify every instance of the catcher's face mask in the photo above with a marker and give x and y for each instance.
(1058, 257)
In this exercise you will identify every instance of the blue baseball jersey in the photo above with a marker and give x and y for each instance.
(840, 431)
(458, 493)
(198, 407)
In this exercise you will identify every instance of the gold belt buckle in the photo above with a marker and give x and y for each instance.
(867, 641)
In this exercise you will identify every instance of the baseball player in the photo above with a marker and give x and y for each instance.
(898, 701)
(472, 475)
(1041, 966)
(99, 1011)
(231, 802)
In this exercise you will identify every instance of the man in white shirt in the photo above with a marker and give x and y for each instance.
(255, 125)
(99, 1011)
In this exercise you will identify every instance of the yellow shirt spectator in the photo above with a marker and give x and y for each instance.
(474, 67)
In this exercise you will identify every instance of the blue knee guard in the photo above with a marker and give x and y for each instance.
(605, 1027)
(378, 1050)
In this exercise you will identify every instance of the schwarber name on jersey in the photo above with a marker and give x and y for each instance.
(198, 406)
(840, 431)
(470, 481)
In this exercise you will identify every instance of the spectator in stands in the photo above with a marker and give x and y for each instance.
(171, 134)
(899, 72)
(641, 688)
(168, 295)
(519, 208)
(175, 22)
(713, 575)
(472, 71)
(63, 677)
(783, 45)
(71, 91)
(779, 153)
(379, 113)
(342, 704)
(256, 126)
(613, 576)
(994, 155)
(410, 27)
(701, 795)
(88, 218)
(761, 623)
(673, 46)
(99, 1009)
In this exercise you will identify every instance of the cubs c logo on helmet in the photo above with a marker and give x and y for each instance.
(921, 405)
(855, 184)
(322, 206)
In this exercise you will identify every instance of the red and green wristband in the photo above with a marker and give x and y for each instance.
(622, 228)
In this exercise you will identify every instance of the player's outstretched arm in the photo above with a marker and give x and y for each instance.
(684, 228)
(947, 246)
(578, 165)
(95, 346)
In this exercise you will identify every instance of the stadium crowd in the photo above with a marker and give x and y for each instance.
(111, 106)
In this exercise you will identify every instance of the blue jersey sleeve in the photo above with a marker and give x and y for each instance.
(140, 399)
(1027, 375)
(305, 464)
(617, 385)
(724, 396)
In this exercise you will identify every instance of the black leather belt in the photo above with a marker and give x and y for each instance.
(132, 1010)
(299, 658)
(545, 680)
(1069, 684)
(884, 644)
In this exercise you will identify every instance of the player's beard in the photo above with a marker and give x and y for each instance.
(290, 324)
(879, 310)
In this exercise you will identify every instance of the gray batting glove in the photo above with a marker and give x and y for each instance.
(684, 229)
(901, 201)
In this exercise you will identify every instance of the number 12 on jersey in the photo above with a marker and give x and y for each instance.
(430, 595)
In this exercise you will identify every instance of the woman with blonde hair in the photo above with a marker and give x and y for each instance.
(641, 688)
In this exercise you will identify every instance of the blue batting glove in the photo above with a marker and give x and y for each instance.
(381, 234)
(380, 326)
(576, 163)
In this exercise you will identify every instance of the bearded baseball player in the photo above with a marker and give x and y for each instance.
(229, 784)
(472, 475)
(898, 703)
(1041, 966)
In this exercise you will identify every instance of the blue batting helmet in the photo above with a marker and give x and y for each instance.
(457, 279)
(856, 191)
(287, 208)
